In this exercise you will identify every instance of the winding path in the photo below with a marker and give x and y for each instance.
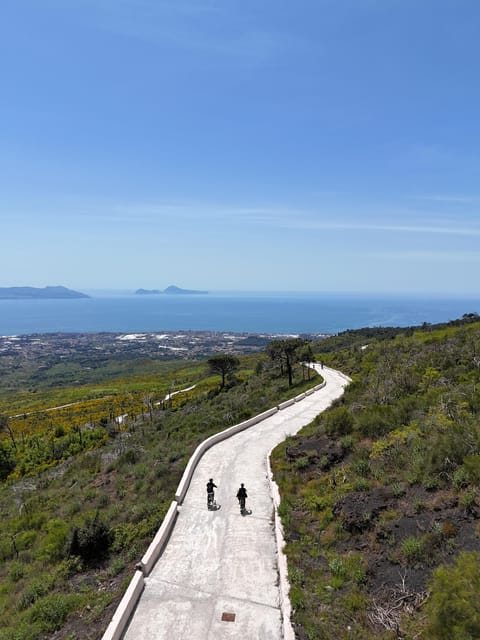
(220, 562)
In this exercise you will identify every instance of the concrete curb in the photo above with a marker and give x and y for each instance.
(283, 584)
(124, 610)
(287, 403)
(156, 546)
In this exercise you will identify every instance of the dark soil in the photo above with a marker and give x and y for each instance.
(321, 451)
(403, 532)
(444, 526)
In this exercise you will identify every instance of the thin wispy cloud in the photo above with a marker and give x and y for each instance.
(274, 217)
(453, 199)
(297, 219)
(426, 256)
(292, 219)
(392, 228)
(212, 28)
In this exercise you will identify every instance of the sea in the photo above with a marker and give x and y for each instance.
(287, 313)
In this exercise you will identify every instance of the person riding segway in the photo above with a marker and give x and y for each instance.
(242, 496)
(211, 493)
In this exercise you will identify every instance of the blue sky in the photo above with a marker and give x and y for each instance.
(316, 145)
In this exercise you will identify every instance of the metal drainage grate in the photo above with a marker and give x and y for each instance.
(228, 617)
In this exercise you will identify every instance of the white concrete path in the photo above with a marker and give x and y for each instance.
(218, 562)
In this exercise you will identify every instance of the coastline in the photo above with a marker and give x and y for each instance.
(274, 313)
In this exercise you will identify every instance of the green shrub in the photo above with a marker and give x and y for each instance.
(123, 535)
(347, 442)
(91, 542)
(7, 460)
(297, 597)
(356, 568)
(68, 568)
(6, 549)
(354, 601)
(453, 608)
(16, 571)
(103, 500)
(315, 502)
(376, 420)
(130, 456)
(337, 567)
(339, 422)
(53, 545)
(25, 539)
(350, 567)
(116, 566)
(296, 576)
(325, 517)
(471, 464)
(432, 483)
(468, 499)
(461, 478)
(361, 467)
(361, 484)
(448, 448)
(412, 549)
(398, 489)
(285, 513)
(140, 470)
(301, 463)
(73, 508)
(51, 611)
(36, 589)
(22, 631)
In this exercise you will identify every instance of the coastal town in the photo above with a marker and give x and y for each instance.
(46, 350)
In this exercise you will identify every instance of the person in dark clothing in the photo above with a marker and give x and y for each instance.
(210, 491)
(242, 496)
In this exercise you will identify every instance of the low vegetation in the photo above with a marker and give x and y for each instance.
(82, 493)
(381, 493)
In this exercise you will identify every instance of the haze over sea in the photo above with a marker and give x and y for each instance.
(276, 313)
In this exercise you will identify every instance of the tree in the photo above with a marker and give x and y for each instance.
(286, 353)
(305, 354)
(222, 365)
(148, 402)
(7, 461)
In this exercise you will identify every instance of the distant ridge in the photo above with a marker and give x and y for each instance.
(147, 292)
(171, 290)
(31, 293)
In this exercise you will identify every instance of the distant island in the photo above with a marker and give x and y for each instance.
(32, 293)
(171, 290)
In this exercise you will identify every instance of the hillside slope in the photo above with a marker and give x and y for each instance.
(82, 493)
(380, 493)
